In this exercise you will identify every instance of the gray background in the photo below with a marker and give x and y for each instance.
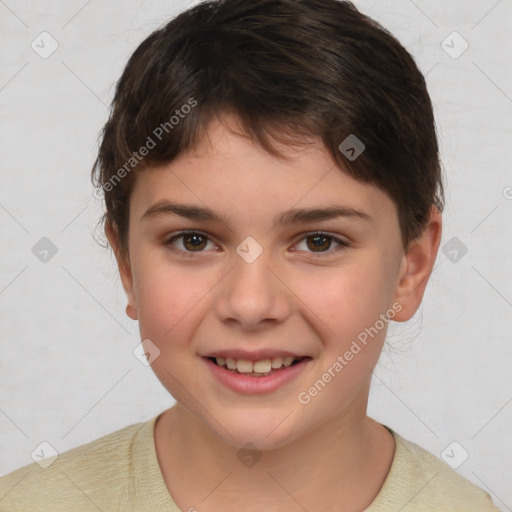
(67, 370)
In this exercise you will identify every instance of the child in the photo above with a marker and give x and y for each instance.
(273, 194)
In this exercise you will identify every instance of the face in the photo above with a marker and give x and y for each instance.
(280, 259)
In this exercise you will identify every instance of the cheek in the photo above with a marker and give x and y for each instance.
(352, 334)
(166, 299)
(346, 300)
(350, 303)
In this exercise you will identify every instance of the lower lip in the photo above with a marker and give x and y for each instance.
(255, 385)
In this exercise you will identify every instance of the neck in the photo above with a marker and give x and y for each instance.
(350, 457)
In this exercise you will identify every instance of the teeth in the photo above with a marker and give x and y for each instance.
(277, 362)
(263, 367)
(244, 366)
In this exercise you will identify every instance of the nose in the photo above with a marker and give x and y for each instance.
(253, 296)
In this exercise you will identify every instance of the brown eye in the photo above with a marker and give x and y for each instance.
(190, 242)
(319, 243)
(194, 242)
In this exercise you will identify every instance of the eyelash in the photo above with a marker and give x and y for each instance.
(342, 244)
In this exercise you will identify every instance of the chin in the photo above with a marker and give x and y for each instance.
(262, 429)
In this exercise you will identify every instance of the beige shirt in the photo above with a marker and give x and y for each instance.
(120, 472)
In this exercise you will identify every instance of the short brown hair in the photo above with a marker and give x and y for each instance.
(289, 70)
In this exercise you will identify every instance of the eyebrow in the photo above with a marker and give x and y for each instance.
(292, 216)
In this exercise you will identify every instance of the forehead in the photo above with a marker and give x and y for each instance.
(234, 175)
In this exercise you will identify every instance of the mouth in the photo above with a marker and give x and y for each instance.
(257, 371)
(260, 368)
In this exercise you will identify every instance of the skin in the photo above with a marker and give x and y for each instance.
(326, 454)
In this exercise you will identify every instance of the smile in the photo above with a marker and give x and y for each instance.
(260, 368)
(256, 377)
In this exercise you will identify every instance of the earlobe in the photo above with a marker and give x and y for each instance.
(131, 312)
(124, 272)
(416, 267)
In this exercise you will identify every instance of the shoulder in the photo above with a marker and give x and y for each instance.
(82, 478)
(420, 481)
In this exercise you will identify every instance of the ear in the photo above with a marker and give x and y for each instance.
(124, 271)
(416, 267)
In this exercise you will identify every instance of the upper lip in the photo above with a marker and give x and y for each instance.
(256, 355)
